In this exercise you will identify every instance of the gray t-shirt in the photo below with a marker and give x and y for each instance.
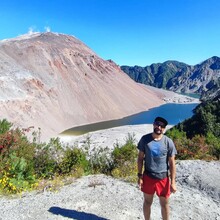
(157, 154)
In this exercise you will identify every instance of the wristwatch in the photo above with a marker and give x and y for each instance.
(140, 175)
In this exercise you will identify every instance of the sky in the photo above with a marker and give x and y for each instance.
(130, 32)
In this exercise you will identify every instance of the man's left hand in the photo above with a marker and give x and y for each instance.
(173, 188)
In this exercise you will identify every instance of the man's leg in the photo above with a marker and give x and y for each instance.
(165, 209)
(148, 199)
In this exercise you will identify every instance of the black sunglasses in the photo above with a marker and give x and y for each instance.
(161, 124)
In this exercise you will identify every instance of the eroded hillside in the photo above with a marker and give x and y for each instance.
(54, 81)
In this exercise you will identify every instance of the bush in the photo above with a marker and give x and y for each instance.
(100, 161)
(4, 126)
(73, 161)
(125, 153)
(124, 159)
(45, 164)
(16, 160)
(20, 174)
(47, 157)
(197, 147)
(181, 142)
(214, 145)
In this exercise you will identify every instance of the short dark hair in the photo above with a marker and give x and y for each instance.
(161, 120)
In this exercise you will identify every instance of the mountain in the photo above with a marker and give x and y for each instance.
(180, 77)
(54, 82)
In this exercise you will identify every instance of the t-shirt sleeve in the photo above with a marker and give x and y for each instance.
(140, 145)
(171, 148)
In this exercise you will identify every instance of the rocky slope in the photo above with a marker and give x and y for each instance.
(54, 81)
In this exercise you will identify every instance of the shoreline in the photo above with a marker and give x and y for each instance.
(117, 134)
(109, 137)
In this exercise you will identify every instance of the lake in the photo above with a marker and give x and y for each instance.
(174, 113)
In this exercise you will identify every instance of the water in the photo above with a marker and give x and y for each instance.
(192, 95)
(174, 113)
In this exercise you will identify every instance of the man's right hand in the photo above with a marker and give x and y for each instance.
(140, 182)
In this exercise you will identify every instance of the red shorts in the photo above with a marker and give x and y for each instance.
(161, 187)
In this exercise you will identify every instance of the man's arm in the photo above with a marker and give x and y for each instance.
(140, 160)
(172, 173)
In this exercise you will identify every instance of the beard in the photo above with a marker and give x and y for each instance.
(158, 131)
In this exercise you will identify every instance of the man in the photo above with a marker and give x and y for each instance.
(157, 154)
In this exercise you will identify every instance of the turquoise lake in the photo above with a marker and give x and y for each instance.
(174, 113)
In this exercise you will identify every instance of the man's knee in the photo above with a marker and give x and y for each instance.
(148, 200)
(164, 201)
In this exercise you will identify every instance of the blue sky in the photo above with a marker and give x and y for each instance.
(130, 32)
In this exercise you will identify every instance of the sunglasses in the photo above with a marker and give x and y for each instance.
(161, 124)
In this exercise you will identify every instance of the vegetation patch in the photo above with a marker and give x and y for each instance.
(199, 136)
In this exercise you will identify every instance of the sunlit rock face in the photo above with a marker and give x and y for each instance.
(54, 81)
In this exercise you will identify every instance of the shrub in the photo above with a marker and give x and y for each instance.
(45, 164)
(4, 126)
(73, 161)
(214, 145)
(124, 159)
(20, 175)
(125, 153)
(181, 142)
(198, 148)
(100, 160)
(16, 161)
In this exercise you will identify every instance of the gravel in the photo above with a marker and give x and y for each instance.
(100, 197)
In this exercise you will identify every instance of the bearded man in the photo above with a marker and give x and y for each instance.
(157, 157)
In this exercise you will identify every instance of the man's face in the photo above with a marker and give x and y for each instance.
(159, 127)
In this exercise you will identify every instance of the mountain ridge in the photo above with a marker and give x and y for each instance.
(180, 77)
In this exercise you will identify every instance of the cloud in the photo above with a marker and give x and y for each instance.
(31, 30)
(47, 29)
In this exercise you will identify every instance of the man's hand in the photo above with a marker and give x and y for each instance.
(140, 182)
(172, 174)
(173, 187)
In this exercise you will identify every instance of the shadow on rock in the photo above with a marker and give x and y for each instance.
(74, 214)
